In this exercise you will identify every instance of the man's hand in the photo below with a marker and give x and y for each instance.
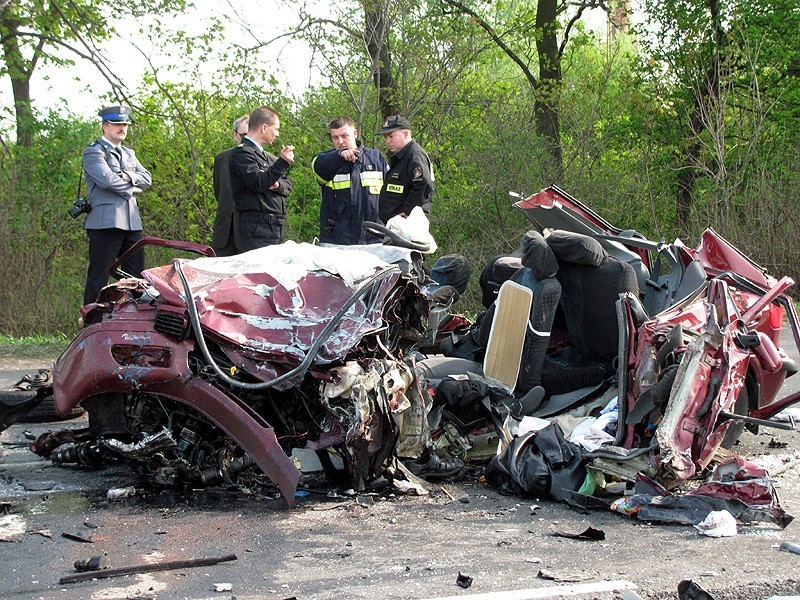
(287, 154)
(349, 155)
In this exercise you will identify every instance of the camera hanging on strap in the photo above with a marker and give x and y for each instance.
(80, 205)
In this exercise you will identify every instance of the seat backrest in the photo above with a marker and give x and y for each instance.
(591, 282)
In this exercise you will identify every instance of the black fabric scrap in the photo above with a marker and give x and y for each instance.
(590, 533)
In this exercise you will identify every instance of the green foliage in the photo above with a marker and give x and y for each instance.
(32, 346)
(629, 109)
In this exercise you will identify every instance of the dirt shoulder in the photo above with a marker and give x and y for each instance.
(10, 363)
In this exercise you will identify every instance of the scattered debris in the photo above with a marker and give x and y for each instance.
(718, 523)
(43, 532)
(567, 578)
(364, 500)
(689, 590)
(408, 487)
(790, 547)
(162, 566)
(463, 580)
(223, 587)
(93, 563)
(590, 533)
(11, 527)
(77, 538)
(117, 493)
(456, 494)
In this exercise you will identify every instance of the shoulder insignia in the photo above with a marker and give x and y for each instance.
(417, 174)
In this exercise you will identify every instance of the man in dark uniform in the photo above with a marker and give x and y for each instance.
(259, 183)
(409, 182)
(225, 234)
(351, 176)
(114, 176)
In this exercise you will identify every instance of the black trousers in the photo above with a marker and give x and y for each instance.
(228, 249)
(105, 246)
(257, 230)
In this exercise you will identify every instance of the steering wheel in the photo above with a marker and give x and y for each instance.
(395, 239)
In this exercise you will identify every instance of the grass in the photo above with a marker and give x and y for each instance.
(32, 346)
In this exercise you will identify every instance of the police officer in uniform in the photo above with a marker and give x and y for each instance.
(114, 176)
(351, 176)
(409, 182)
(259, 183)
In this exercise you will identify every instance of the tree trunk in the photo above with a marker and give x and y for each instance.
(547, 93)
(20, 76)
(705, 102)
(377, 37)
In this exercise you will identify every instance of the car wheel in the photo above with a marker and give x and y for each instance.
(46, 411)
(735, 429)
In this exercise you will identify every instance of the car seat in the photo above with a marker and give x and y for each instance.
(539, 266)
(591, 282)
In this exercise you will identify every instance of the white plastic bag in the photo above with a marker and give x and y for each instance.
(414, 228)
(718, 523)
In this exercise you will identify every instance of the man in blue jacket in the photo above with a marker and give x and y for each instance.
(351, 176)
(114, 176)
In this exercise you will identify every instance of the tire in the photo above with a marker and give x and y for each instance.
(45, 411)
(14, 405)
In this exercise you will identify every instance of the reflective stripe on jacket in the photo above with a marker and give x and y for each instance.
(350, 194)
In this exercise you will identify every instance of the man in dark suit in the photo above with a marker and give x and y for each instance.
(259, 182)
(225, 235)
(114, 177)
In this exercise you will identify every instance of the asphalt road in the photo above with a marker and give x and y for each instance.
(376, 546)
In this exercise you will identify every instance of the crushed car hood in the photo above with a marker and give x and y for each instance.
(275, 301)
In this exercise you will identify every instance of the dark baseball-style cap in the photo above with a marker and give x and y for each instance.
(394, 122)
(116, 114)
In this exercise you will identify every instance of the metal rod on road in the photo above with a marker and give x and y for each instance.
(163, 566)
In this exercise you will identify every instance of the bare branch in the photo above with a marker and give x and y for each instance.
(534, 83)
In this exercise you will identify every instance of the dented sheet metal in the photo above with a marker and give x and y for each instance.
(275, 301)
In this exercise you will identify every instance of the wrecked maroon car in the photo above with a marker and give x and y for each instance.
(290, 346)
(650, 357)
(674, 350)
(708, 318)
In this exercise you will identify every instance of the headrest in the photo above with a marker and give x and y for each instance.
(537, 255)
(452, 269)
(576, 248)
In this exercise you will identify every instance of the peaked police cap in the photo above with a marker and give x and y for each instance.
(394, 122)
(116, 114)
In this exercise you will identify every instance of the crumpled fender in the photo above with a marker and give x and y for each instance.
(88, 367)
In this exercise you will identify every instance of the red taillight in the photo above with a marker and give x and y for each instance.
(775, 316)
